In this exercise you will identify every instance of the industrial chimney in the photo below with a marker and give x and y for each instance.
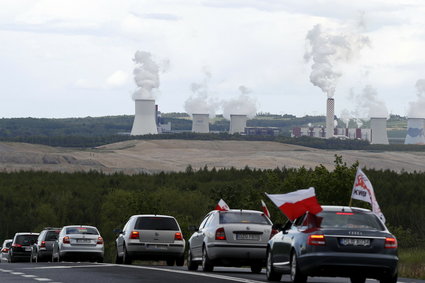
(330, 113)
(415, 131)
(378, 127)
(237, 123)
(145, 118)
(200, 123)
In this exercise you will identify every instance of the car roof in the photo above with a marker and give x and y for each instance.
(152, 215)
(239, 210)
(26, 233)
(52, 228)
(7, 240)
(72, 226)
(344, 208)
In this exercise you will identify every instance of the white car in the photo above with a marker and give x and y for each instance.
(150, 237)
(79, 242)
(230, 238)
(5, 250)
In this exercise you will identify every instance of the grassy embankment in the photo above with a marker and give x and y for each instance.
(412, 263)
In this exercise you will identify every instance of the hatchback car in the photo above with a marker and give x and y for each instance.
(150, 237)
(339, 241)
(20, 248)
(230, 238)
(78, 242)
(5, 250)
(42, 248)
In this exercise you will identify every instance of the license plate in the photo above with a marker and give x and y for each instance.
(355, 242)
(28, 249)
(246, 236)
(83, 241)
(156, 247)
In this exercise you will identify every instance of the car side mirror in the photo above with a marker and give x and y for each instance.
(193, 228)
(117, 231)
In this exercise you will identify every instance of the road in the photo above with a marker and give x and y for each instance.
(67, 272)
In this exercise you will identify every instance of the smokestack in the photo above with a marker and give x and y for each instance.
(415, 131)
(145, 118)
(237, 123)
(378, 127)
(200, 123)
(330, 113)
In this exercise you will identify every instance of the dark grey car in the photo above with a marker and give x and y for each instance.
(339, 241)
(42, 249)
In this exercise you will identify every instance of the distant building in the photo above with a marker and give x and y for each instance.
(320, 132)
(262, 131)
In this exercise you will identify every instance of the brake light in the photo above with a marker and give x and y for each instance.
(66, 240)
(345, 213)
(134, 235)
(17, 246)
(178, 236)
(43, 244)
(274, 232)
(316, 240)
(390, 243)
(99, 241)
(4, 250)
(220, 234)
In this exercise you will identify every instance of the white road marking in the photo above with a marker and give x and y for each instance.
(42, 279)
(71, 266)
(28, 276)
(17, 273)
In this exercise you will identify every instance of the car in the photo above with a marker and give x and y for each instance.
(234, 237)
(5, 250)
(20, 249)
(340, 241)
(42, 248)
(78, 242)
(150, 237)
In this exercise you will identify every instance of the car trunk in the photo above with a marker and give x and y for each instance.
(246, 233)
(356, 240)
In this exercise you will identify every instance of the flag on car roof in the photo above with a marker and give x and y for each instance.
(295, 204)
(265, 209)
(222, 205)
(363, 190)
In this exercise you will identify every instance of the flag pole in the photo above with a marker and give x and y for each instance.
(351, 200)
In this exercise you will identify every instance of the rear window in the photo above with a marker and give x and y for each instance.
(350, 220)
(243, 217)
(51, 235)
(156, 223)
(8, 244)
(82, 230)
(26, 240)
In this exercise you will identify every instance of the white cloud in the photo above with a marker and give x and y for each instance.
(117, 79)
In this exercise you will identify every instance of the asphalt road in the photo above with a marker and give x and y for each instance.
(67, 272)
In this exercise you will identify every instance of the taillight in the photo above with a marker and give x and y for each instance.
(66, 240)
(4, 250)
(178, 236)
(220, 234)
(134, 235)
(43, 244)
(390, 243)
(274, 232)
(316, 240)
(99, 241)
(17, 246)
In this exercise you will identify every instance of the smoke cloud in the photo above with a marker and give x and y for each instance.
(369, 105)
(327, 51)
(242, 105)
(417, 108)
(146, 75)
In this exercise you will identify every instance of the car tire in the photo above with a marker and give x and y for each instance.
(191, 265)
(207, 266)
(170, 261)
(99, 259)
(389, 279)
(12, 259)
(118, 259)
(296, 275)
(271, 274)
(256, 268)
(126, 257)
(357, 279)
(180, 261)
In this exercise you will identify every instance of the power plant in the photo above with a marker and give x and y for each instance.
(330, 114)
(378, 128)
(237, 123)
(144, 118)
(415, 131)
(200, 123)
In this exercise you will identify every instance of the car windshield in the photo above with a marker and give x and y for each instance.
(350, 220)
(81, 230)
(26, 240)
(52, 235)
(156, 223)
(243, 217)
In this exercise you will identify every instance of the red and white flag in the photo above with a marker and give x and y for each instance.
(363, 190)
(265, 210)
(295, 204)
(222, 205)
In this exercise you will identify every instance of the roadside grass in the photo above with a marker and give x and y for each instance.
(412, 263)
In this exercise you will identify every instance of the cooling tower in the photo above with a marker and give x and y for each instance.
(145, 118)
(237, 124)
(200, 123)
(415, 131)
(330, 113)
(378, 128)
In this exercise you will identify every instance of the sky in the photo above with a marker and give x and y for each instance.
(63, 58)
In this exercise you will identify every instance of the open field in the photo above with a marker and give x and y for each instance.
(153, 156)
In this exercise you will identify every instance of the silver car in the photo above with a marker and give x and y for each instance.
(230, 238)
(78, 242)
(150, 237)
(5, 250)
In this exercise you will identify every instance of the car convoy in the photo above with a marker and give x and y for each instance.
(339, 241)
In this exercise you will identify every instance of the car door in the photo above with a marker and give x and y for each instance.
(121, 238)
(197, 238)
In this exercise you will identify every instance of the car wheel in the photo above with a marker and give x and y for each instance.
(118, 259)
(389, 279)
(357, 279)
(126, 257)
(180, 261)
(206, 262)
(296, 275)
(170, 262)
(12, 259)
(191, 265)
(271, 274)
(256, 268)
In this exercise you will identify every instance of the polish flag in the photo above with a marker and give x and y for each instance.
(222, 206)
(265, 210)
(296, 204)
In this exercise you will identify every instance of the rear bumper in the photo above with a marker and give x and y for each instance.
(236, 254)
(155, 251)
(92, 251)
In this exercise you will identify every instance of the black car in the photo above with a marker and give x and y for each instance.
(42, 248)
(21, 246)
(338, 242)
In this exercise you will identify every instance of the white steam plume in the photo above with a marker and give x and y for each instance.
(146, 75)
(242, 105)
(417, 108)
(369, 105)
(327, 51)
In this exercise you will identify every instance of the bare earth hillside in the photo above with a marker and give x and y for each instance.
(153, 156)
